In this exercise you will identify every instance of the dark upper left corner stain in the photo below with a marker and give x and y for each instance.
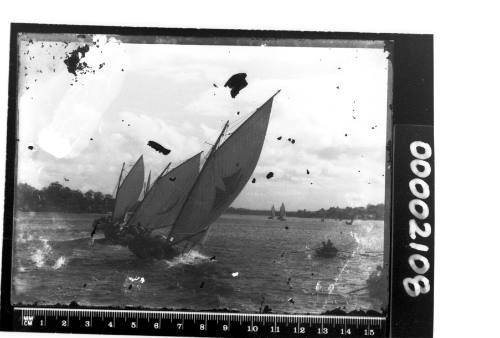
(73, 59)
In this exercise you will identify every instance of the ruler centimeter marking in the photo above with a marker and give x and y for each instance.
(184, 323)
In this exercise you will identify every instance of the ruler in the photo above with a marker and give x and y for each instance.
(204, 324)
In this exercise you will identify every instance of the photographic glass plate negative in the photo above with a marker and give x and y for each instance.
(218, 182)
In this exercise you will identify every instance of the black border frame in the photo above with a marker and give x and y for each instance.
(412, 104)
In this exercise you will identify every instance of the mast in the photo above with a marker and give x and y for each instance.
(217, 142)
(163, 171)
(117, 188)
(120, 179)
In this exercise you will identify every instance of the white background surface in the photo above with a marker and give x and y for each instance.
(466, 115)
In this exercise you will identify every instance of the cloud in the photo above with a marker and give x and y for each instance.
(166, 94)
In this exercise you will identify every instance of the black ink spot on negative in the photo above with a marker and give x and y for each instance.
(91, 139)
(338, 87)
(202, 285)
(293, 141)
(84, 285)
(269, 175)
(123, 70)
(73, 59)
(129, 124)
(279, 138)
(311, 183)
(236, 82)
(158, 147)
(130, 287)
(101, 65)
(307, 171)
(30, 147)
(291, 300)
(172, 178)
(289, 140)
(254, 180)
(286, 227)
(215, 85)
(345, 134)
(238, 113)
(212, 258)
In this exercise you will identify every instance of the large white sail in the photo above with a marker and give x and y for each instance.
(273, 212)
(128, 192)
(225, 173)
(162, 202)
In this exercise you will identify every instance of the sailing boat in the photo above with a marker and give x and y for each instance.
(273, 213)
(186, 202)
(282, 214)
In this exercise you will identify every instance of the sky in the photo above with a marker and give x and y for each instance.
(333, 103)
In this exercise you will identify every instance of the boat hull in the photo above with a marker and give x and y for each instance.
(139, 241)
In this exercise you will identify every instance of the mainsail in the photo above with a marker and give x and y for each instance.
(282, 211)
(128, 192)
(162, 202)
(224, 174)
(273, 212)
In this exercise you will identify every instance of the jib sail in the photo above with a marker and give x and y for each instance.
(162, 202)
(129, 190)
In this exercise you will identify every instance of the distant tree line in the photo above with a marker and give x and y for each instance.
(58, 198)
(371, 211)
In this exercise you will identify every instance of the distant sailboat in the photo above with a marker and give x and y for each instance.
(282, 215)
(273, 213)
